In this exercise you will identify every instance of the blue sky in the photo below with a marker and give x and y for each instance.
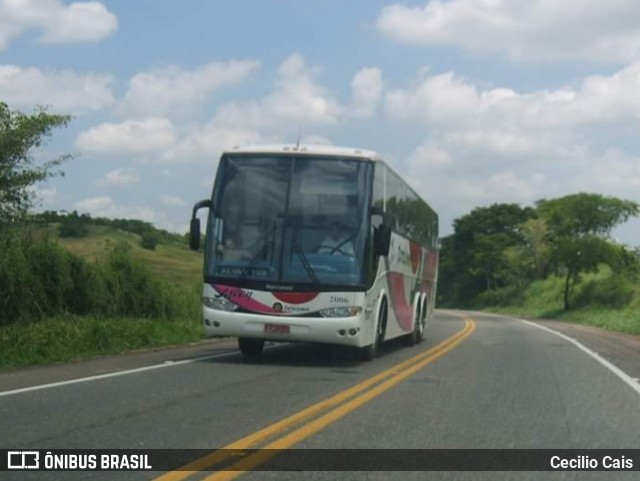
(473, 101)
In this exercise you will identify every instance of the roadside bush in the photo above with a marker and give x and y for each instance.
(149, 240)
(39, 279)
(17, 298)
(505, 296)
(614, 291)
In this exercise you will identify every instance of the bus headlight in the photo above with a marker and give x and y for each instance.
(219, 303)
(341, 311)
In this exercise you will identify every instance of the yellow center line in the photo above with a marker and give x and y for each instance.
(287, 441)
(395, 373)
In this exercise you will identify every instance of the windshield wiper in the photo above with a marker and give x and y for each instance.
(254, 260)
(305, 261)
(261, 253)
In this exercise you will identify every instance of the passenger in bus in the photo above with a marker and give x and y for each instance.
(337, 241)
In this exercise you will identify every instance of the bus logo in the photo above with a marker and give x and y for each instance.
(23, 459)
(277, 307)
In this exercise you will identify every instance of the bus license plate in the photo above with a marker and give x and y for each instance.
(276, 329)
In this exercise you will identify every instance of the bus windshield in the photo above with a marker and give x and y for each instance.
(295, 220)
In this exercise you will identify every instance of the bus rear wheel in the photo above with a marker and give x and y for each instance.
(250, 348)
(417, 335)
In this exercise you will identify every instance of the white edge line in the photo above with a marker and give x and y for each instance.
(614, 369)
(114, 374)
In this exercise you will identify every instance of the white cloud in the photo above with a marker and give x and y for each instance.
(476, 178)
(297, 99)
(446, 100)
(439, 99)
(173, 201)
(131, 136)
(120, 177)
(482, 146)
(523, 30)
(366, 91)
(63, 90)
(206, 143)
(60, 23)
(618, 171)
(430, 154)
(161, 91)
(314, 139)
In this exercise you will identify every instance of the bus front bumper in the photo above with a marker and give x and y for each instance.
(347, 331)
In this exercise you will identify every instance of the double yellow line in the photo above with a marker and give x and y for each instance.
(310, 420)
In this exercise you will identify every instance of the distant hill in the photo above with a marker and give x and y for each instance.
(167, 254)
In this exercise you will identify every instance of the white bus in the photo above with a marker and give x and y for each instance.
(315, 244)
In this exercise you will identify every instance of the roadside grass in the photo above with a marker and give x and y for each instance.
(603, 299)
(620, 320)
(68, 338)
(171, 274)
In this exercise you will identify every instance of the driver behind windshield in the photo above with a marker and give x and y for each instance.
(231, 247)
(337, 241)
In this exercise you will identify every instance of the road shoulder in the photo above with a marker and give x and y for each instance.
(38, 375)
(622, 350)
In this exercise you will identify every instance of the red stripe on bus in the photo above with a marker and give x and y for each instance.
(295, 297)
(401, 308)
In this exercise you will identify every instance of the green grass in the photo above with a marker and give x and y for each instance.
(602, 300)
(171, 261)
(70, 338)
(67, 337)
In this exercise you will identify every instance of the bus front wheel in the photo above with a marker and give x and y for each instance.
(250, 348)
(369, 352)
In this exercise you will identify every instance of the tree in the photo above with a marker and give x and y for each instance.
(582, 214)
(535, 233)
(473, 256)
(579, 225)
(20, 135)
(74, 225)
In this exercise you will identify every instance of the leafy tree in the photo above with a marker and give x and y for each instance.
(579, 225)
(74, 225)
(585, 214)
(535, 234)
(473, 258)
(20, 135)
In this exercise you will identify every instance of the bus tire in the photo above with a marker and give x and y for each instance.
(417, 335)
(250, 348)
(370, 352)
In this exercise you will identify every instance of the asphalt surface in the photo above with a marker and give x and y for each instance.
(508, 385)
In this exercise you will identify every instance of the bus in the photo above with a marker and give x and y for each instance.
(315, 244)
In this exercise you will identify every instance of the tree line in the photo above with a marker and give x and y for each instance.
(496, 251)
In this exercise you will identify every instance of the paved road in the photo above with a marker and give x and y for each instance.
(498, 383)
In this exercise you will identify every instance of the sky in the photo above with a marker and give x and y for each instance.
(474, 102)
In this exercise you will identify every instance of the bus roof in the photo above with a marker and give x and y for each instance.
(329, 150)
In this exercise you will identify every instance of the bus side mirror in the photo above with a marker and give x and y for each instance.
(194, 234)
(382, 240)
(194, 227)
